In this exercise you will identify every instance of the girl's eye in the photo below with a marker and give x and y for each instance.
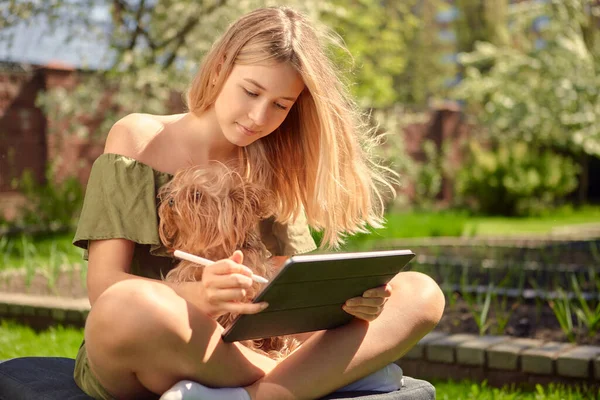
(252, 94)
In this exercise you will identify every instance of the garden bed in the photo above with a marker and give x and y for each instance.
(528, 319)
(67, 281)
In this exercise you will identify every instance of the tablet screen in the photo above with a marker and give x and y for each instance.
(308, 292)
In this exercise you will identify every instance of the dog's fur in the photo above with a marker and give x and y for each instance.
(211, 212)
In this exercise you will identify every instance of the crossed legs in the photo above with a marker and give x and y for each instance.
(141, 337)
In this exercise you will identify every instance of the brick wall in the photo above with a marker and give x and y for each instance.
(26, 141)
(445, 127)
(22, 126)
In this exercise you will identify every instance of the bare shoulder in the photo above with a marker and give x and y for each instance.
(131, 135)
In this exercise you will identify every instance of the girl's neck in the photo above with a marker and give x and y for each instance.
(202, 137)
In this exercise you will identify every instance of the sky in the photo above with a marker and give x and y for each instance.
(37, 42)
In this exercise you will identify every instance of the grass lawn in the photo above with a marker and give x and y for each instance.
(21, 341)
(507, 226)
(448, 390)
(50, 251)
(41, 251)
(460, 223)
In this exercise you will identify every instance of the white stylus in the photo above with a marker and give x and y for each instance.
(203, 261)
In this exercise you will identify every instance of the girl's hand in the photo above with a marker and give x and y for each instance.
(225, 284)
(369, 306)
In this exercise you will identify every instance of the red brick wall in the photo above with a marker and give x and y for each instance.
(445, 127)
(28, 140)
(22, 127)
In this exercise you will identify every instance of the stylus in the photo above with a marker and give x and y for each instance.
(203, 261)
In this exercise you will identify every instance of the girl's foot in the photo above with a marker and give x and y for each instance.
(189, 390)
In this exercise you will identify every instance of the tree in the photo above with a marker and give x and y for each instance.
(378, 35)
(425, 76)
(156, 46)
(481, 20)
(543, 92)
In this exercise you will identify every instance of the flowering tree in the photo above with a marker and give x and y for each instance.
(544, 90)
(156, 45)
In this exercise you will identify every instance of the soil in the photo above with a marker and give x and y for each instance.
(527, 320)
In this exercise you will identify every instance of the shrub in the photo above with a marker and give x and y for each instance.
(49, 206)
(515, 179)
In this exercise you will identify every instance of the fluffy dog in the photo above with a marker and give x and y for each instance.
(211, 212)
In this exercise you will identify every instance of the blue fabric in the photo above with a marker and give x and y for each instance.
(413, 389)
(51, 378)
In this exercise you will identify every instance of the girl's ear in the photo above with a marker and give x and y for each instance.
(218, 69)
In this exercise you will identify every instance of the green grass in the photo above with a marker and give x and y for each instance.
(22, 341)
(507, 226)
(423, 224)
(24, 251)
(460, 223)
(40, 251)
(449, 390)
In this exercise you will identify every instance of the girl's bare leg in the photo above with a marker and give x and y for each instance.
(331, 359)
(141, 337)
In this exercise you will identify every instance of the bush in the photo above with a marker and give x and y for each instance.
(515, 179)
(49, 206)
(424, 176)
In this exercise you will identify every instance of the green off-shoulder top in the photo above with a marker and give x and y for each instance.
(121, 202)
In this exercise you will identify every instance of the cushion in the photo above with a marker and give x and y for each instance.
(43, 378)
(51, 378)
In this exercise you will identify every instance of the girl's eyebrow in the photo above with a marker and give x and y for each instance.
(258, 85)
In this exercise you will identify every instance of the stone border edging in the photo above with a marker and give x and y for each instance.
(43, 311)
(500, 360)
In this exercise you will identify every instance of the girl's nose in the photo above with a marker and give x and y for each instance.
(259, 113)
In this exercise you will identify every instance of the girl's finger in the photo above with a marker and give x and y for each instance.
(367, 302)
(226, 295)
(366, 317)
(232, 281)
(227, 267)
(362, 310)
(245, 308)
(384, 291)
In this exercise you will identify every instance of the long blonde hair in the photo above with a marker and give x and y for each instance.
(320, 159)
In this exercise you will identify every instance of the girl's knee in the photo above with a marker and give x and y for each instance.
(130, 310)
(421, 294)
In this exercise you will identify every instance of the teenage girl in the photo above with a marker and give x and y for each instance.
(266, 98)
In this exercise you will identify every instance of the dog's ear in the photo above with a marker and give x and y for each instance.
(186, 211)
(261, 200)
(167, 228)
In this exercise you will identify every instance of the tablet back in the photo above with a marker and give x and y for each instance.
(308, 292)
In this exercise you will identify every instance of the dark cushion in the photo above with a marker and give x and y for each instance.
(43, 378)
(51, 378)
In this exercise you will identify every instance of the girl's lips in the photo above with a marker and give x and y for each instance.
(245, 130)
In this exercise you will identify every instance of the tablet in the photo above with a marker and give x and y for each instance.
(308, 292)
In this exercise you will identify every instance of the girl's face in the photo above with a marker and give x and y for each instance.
(255, 99)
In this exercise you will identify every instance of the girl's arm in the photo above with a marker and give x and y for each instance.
(108, 263)
(221, 290)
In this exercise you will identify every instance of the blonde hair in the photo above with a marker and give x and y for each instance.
(321, 157)
(212, 212)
